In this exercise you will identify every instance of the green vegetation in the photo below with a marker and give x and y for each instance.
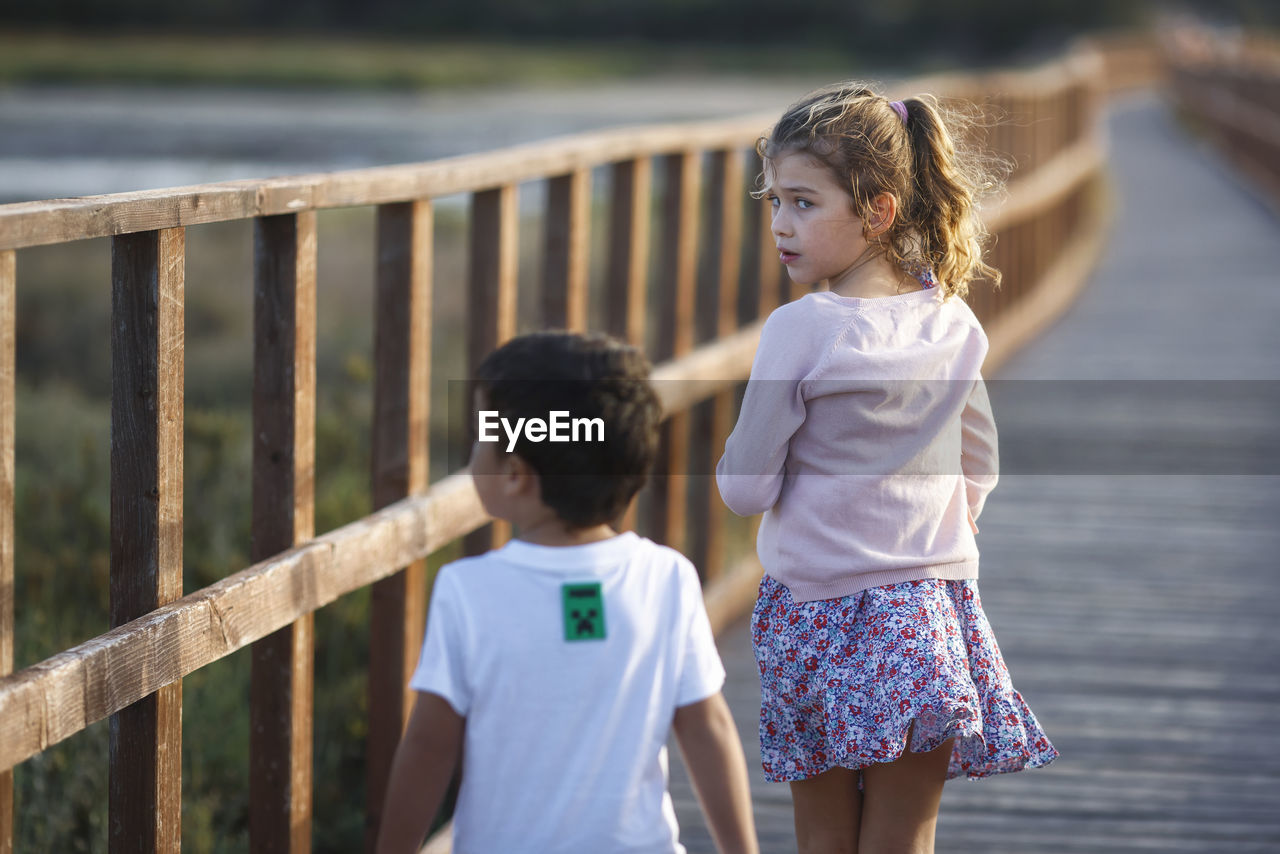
(330, 62)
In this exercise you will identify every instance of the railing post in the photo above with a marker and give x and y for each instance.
(147, 302)
(284, 391)
(628, 283)
(401, 397)
(8, 312)
(728, 198)
(491, 300)
(568, 223)
(676, 295)
(770, 269)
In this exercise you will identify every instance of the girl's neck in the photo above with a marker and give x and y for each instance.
(872, 277)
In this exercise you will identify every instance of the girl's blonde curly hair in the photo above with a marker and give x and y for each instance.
(937, 182)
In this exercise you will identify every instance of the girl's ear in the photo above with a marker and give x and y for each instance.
(883, 210)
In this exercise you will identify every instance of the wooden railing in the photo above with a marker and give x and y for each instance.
(682, 188)
(1230, 84)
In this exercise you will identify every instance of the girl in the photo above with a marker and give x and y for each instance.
(866, 439)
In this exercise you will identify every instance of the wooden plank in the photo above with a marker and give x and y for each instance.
(284, 392)
(713, 368)
(8, 391)
(730, 171)
(491, 299)
(1222, 109)
(629, 249)
(568, 223)
(728, 174)
(1045, 299)
(41, 223)
(1045, 187)
(491, 295)
(147, 340)
(627, 288)
(675, 337)
(680, 237)
(401, 415)
(771, 271)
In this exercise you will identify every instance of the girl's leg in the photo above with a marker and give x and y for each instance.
(828, 808)
(900, 802)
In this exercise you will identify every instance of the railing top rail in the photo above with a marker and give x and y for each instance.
(59, 220)
(1198, 48)
(40, 223)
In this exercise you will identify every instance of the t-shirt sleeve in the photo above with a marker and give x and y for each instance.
(442, 664)
(701, 672)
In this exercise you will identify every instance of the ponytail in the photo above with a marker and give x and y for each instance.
(944, 205)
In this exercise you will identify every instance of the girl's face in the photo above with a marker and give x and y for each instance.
(816, 231)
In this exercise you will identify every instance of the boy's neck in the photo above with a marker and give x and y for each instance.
(554, 532)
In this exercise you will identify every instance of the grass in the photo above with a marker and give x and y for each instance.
(332, 63)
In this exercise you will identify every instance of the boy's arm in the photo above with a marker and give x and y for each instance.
(712, 751)
(420, 774)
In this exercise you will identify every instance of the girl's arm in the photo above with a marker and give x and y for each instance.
(979, 453)
(712, 752)
(420, 773)
(750, 473)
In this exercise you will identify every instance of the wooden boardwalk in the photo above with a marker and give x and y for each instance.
(1132, 580)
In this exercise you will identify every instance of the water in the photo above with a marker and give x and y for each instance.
(73, 141)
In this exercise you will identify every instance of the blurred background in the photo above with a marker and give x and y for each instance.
(100, 98)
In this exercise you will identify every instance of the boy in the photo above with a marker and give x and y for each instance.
(563, 659)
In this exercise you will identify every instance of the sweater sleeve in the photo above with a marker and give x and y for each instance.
(751, 471)
(979, 454)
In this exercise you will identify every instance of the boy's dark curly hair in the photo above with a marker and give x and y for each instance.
(590, 376)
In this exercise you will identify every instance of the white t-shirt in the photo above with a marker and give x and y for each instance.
(568, 665)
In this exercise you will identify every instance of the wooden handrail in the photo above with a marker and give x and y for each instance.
(704, 350)
(1233, 88)
(41, 223)
(56, 221)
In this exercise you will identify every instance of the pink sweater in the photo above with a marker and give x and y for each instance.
(867, 441)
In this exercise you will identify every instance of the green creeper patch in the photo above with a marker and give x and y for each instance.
(583, 611)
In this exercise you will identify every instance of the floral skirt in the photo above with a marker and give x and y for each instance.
(842, 681)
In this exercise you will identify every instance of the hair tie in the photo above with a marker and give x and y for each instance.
(901, 109)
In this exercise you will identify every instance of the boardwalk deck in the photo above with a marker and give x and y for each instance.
(1137, 598)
